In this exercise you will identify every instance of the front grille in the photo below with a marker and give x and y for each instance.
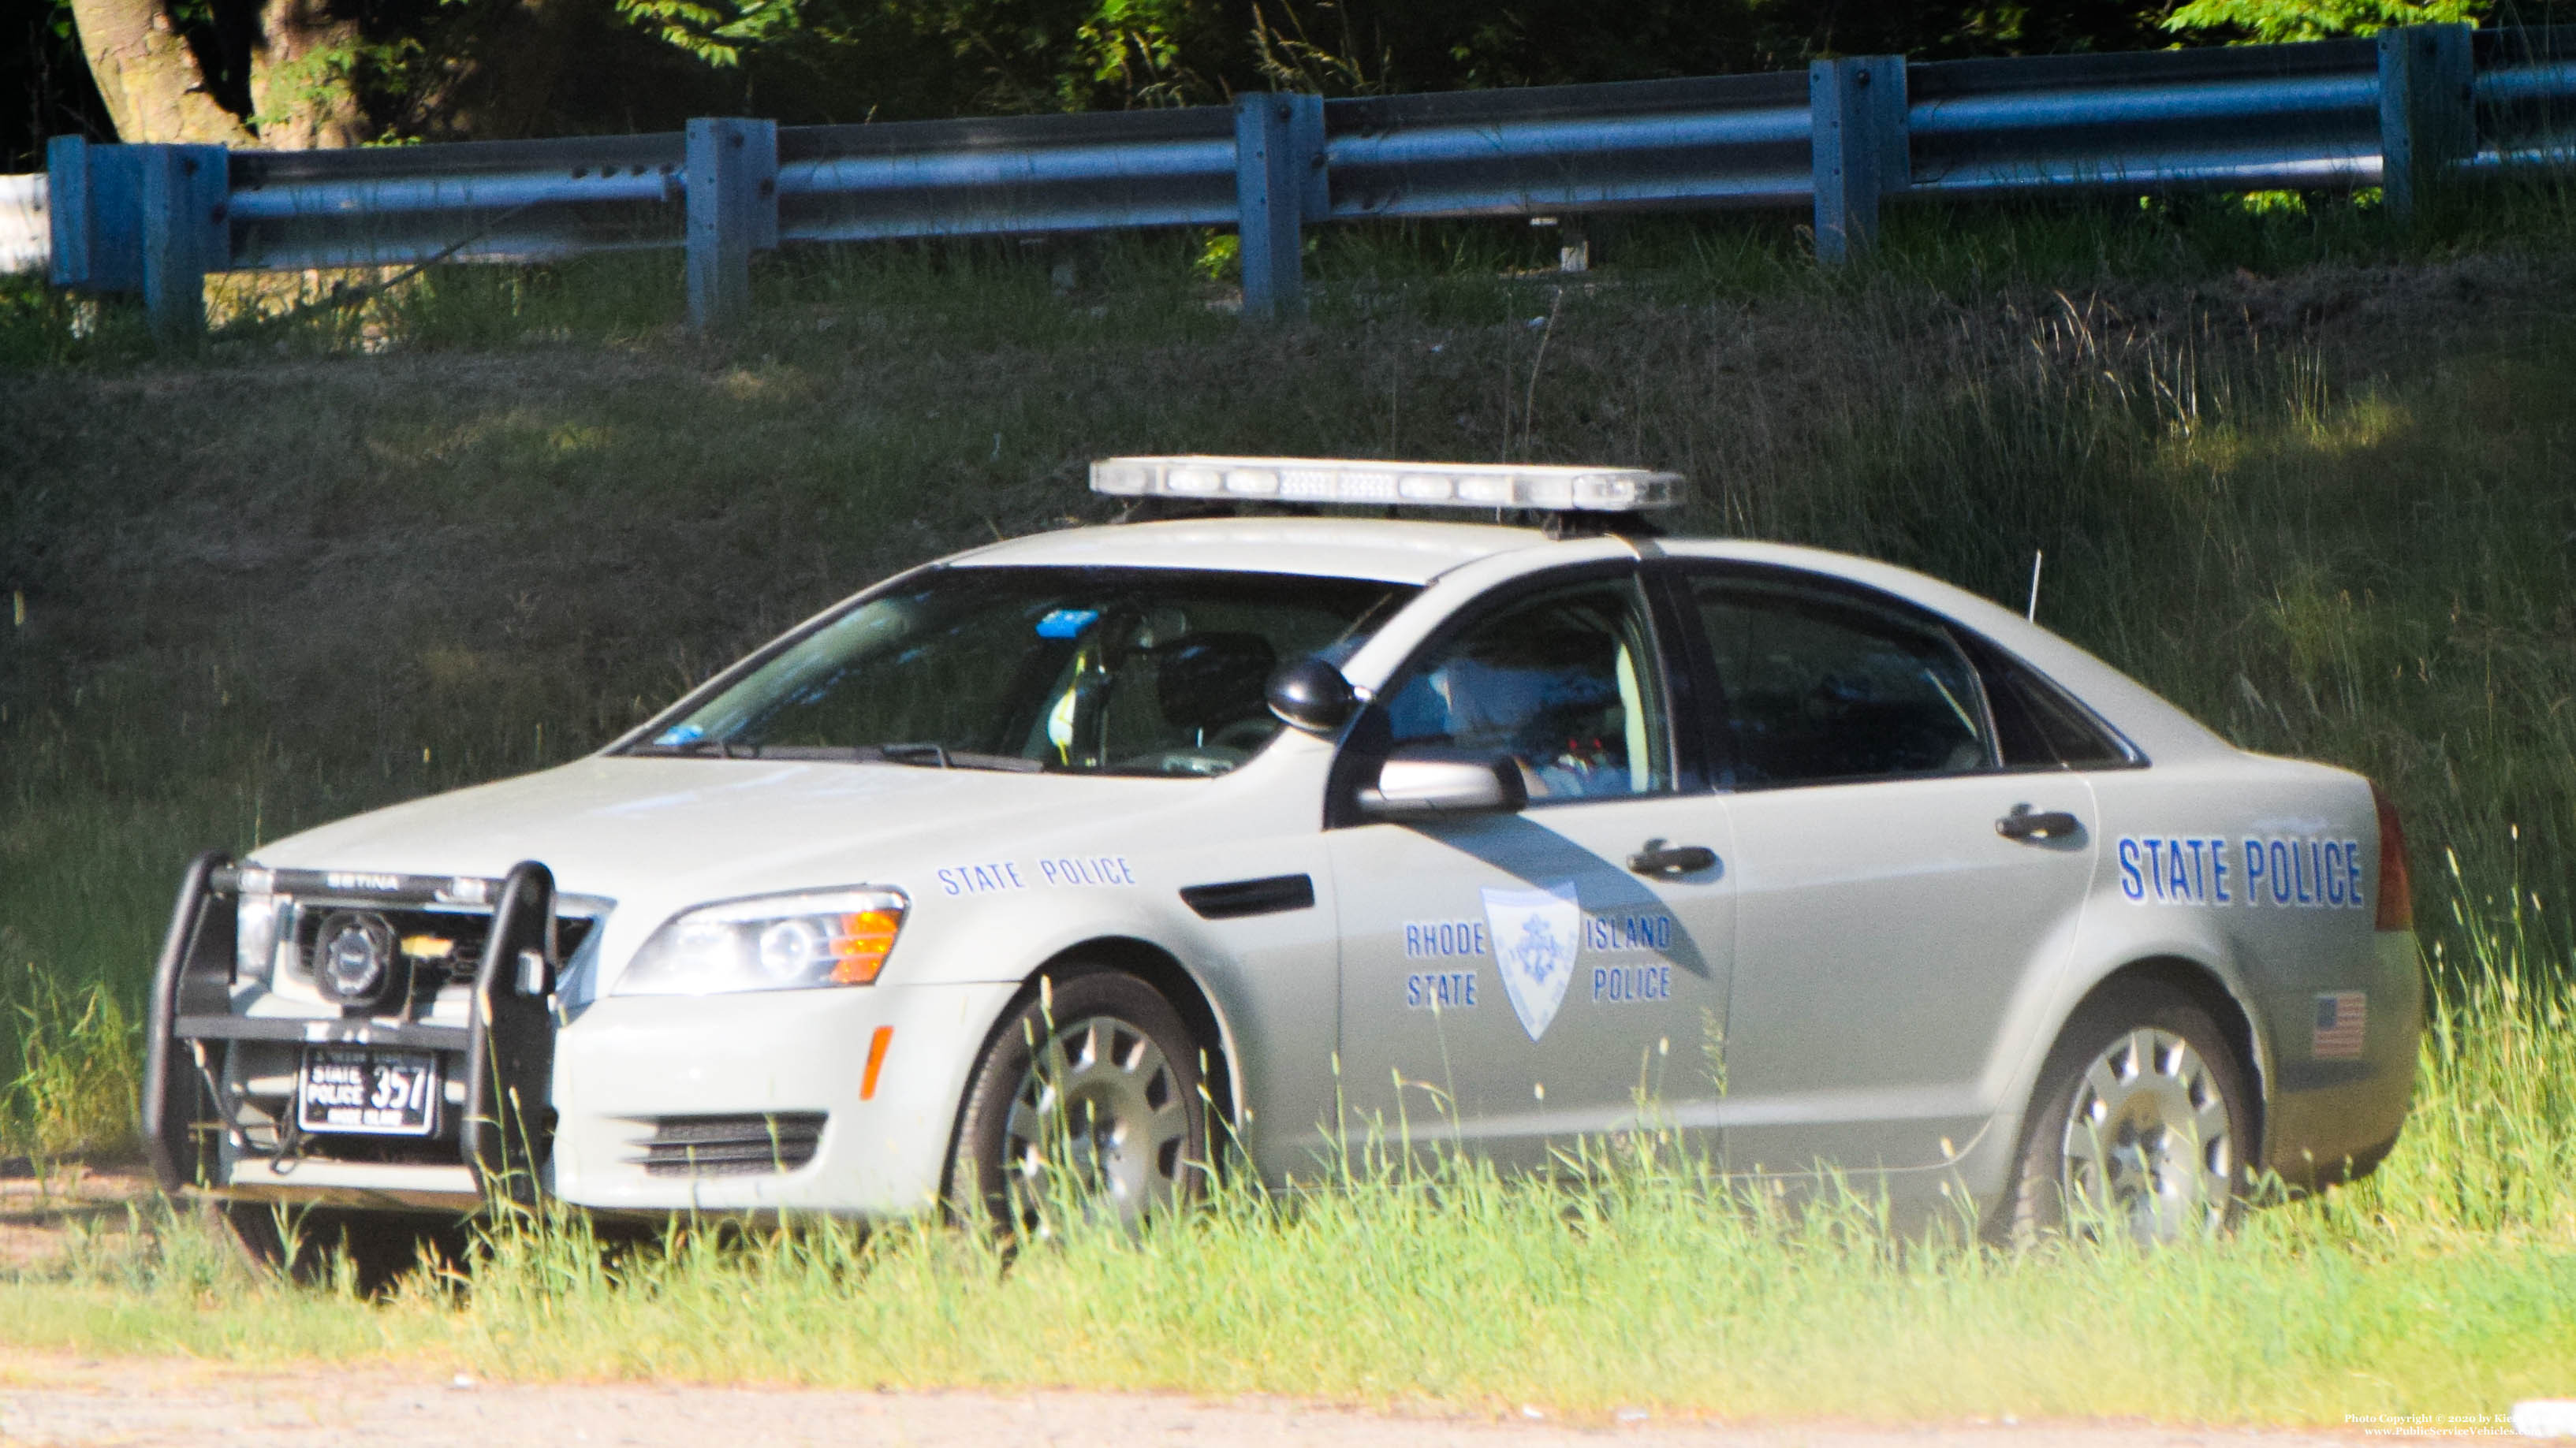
(464, 933)
(715, 1146)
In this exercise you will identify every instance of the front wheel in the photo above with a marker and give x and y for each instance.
(2140, 1125)
(1087, 1104)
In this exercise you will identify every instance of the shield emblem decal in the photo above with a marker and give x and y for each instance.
(1534, 935)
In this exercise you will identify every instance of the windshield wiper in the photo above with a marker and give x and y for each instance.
(924, 755)
(940, 756)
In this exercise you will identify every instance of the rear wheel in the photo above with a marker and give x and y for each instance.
(1087, 1104)
(2140, 1125)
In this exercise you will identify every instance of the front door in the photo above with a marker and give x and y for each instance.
(1511, 983)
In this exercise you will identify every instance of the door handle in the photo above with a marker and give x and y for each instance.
(2026, 824)
(1658, 858)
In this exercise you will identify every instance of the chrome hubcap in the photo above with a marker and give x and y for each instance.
(2148, 1147)
(1098, 1125)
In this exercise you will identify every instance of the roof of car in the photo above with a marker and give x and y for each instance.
(1390, 551)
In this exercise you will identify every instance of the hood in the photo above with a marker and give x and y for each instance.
(709, 828)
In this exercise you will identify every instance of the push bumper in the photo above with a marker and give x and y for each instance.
(204, 1128)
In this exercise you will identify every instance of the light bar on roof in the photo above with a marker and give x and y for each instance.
(1385, 484)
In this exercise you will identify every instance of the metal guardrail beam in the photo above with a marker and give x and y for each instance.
(1021, 174)
(2408, 111)
(1711, 142)
(2524, 98)
(2239, 117)
(470, 201)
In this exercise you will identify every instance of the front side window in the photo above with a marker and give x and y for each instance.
(1565, 682)
(1821, 685)
(1084, 670)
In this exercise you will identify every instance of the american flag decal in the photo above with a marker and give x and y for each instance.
(2342, 1016)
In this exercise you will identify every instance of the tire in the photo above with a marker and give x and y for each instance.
(305, 1244)
(1097, 1072)
(2141, 1125)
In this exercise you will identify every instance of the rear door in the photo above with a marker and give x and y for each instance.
(1899, 890)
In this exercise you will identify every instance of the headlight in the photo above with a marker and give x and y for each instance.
(773, 942)
(255, 933)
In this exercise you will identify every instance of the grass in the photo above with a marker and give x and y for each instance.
(479, 524)
(2444, 1286)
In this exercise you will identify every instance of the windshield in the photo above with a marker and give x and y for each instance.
(1088, 670)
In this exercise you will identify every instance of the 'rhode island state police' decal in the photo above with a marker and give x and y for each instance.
(1535, 933)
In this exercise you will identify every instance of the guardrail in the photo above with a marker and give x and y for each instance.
(2406, 111)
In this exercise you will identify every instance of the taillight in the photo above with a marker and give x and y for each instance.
(2396, 886)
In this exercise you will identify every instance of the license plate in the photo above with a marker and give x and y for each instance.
(378, 1093)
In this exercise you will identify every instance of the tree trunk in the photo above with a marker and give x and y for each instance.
(154, 88)
(300, 90)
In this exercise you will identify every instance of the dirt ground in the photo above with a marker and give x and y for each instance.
(41, 1210)
(58, 1401)
(48, 1400)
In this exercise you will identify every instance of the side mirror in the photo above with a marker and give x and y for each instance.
(1311, 695)
(1424, 784)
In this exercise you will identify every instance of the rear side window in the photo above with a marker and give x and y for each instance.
(2038, 727)
(1823, 686)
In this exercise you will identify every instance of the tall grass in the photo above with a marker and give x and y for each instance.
(76, 1063)
(2446, 1285)
(2491, 1137)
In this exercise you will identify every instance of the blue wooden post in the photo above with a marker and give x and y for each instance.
(184, 236)
(1306, 142)
(1857, 122)
(67, 203)
(96, 206)
(733, 212)
(1279, 182)
(2427, 112)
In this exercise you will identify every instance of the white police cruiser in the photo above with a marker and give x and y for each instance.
(1107, 847)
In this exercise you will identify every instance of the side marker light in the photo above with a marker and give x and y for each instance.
(876, 1062)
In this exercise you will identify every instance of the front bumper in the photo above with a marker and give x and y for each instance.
(840, 1099)
(636, 1075)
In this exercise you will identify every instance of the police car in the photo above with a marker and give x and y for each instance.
(1253, 829)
